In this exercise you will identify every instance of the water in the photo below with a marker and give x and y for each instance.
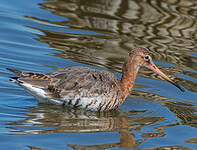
(41, 36)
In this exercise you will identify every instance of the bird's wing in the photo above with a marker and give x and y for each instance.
(82, 80)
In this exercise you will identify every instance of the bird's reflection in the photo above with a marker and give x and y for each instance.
(105, 146)
(54, 119)
(69, 120)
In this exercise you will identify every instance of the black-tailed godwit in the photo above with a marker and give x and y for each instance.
(85, 87)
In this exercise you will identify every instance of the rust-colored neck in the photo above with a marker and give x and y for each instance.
(129, 72)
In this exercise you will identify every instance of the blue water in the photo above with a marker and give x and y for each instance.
(40, 36)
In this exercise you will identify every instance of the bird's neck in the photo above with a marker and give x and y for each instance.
(129, 73)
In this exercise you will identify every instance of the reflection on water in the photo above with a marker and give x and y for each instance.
(185, 112)
(69, 120)
(99, 147)
(101, 33)
(167, 28)
(53, 119)
(44, 119)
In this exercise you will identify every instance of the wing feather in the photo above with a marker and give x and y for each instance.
(83, 80)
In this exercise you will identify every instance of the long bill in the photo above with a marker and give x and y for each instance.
(154, 68)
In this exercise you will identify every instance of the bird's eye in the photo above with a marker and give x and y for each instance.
(146, 57)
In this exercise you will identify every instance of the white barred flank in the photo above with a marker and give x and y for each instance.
(96, 104)
(99, 103)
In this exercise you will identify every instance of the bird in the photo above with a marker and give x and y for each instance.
(87, 88)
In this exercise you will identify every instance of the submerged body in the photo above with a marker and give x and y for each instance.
(85, 87)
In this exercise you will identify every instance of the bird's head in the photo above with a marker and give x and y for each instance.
(143, 58)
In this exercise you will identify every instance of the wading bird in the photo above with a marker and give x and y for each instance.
(87, 88)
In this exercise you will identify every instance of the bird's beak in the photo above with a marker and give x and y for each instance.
(154, 68)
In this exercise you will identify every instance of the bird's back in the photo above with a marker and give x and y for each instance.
(77, 77)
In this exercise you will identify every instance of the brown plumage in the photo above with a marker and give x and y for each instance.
(85, 87)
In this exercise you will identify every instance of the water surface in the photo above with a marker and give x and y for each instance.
(41, 36)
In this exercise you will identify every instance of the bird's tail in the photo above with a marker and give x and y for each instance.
(15, 71)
